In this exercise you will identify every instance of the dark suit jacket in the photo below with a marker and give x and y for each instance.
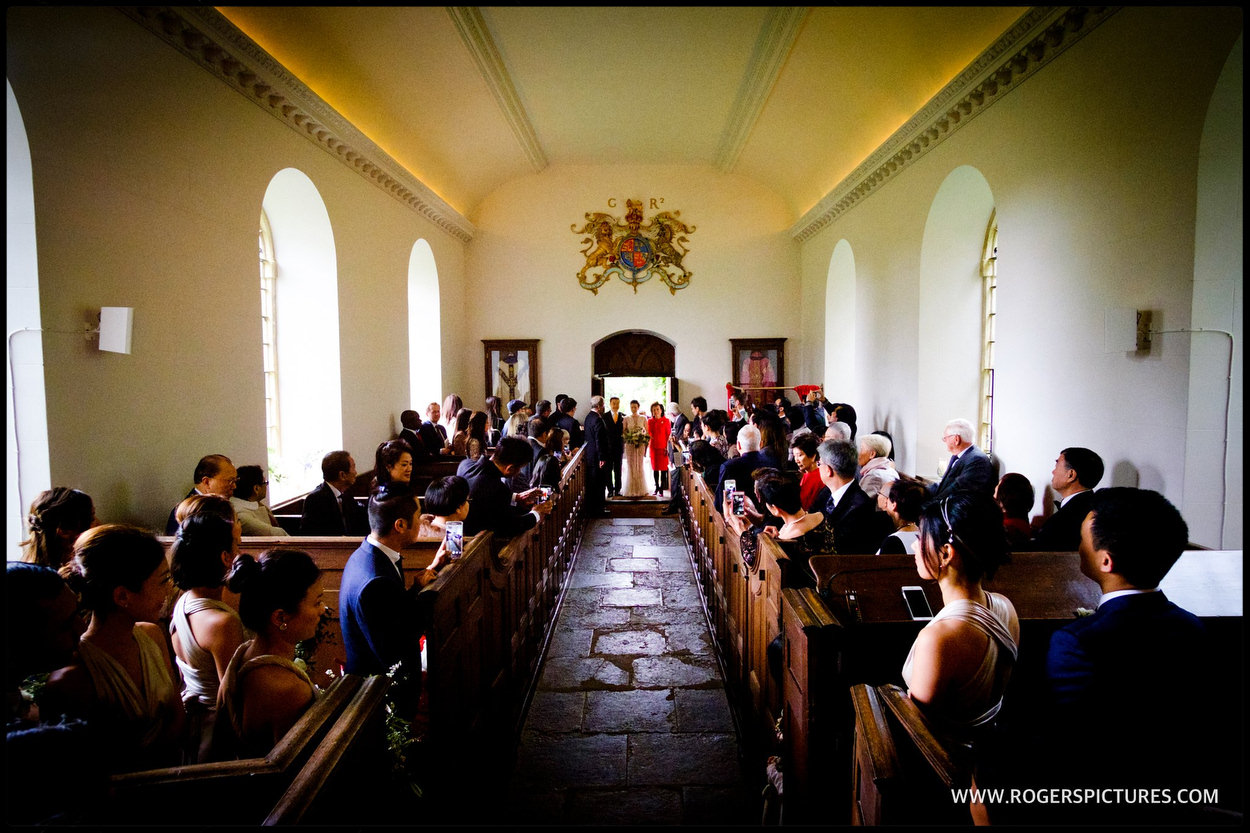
(491, 502)
(1062, 530)
(739, 470)
(574, 428)
(171, 525)
(323, 516)
(1127, 685)
(856, 527)
(973, 471)
(598, 439)
(420, 451)
(377, 614)
(434, 436)
(674, 440)
(616, 432)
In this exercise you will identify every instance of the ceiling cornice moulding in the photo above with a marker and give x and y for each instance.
(772, 47)
(477, 39)
(1041, 34)
(206, 37)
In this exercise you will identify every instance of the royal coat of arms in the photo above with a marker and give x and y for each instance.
(632, 251)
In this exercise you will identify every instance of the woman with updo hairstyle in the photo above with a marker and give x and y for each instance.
(124, 682)
(205, 630)
(263, 692)
(960, 663)
(392, 464)
(902, 500)
(56, 518)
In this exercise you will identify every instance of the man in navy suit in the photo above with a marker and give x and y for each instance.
(738, 469)
(328, 509)
(378, 613)
(969, 468)
(1076, 473)
(568, 423)
(614, 420)
(857, 528)
(493, 504)
(1128, 694)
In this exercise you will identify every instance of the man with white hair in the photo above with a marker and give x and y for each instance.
(969, 468)
(748, 460)
(875, 465)
(838, 431)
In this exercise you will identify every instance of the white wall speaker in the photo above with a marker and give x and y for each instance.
(116, 324)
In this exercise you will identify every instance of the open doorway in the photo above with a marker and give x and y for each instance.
(645, 389)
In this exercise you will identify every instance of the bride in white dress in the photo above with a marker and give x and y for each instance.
(634, 471)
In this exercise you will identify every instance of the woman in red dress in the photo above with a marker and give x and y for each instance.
(659, 429)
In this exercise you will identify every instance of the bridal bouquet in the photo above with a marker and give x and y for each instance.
(637, 437)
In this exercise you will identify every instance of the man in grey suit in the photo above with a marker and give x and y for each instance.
(969, 468)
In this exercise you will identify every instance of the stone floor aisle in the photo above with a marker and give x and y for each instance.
(630, 723)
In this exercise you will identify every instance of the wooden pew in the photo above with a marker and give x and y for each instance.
(857, 630)
(227, 792)
(346, 779)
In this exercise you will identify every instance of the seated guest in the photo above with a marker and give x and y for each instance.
(329, 509)
(1076, 473)
(707, 460)
(714, 430)
(214, 505)
(214, 475)
(263, 692)
(812, 491)
(800, 534)
(42, 627)
(1133, 679)
(837, 431)
(460, 436)
(845, 414)
(392, 465)
(857, 529)
(476, 444)
(890, 440)
(433, 434)
(495, 506)
(748, 460)
(537, 432)
(451, 407)
(124, 682)
(494, 420)
(774, 445)
(548, 467)
(1014, 494)
(410, 422)
(566, 421)
(205, 630)
(378, 614)
(969, 468)
(959, 665)
(56, 518)
(902, 500)
(512, 427)
(875, 465)
(446, 499)
(249, 503)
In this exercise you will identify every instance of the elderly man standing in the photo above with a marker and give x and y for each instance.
(598, 449)
(969, 468)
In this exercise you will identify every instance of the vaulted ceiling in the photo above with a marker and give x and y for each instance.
(469, 98)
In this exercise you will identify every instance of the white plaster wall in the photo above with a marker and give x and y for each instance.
(524, 261)
(1092, 166)
(149, 175)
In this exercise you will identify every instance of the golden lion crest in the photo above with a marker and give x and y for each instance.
(633, 251)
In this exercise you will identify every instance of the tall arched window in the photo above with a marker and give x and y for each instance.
(425, 350)
(989, 288)
(304, 310)
(268, 338)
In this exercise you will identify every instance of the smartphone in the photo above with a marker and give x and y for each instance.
(917, 604)
(738, 502)
(455, 539)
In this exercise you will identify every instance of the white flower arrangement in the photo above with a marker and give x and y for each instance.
(636, 437)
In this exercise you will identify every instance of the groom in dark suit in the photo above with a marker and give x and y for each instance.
(1129, 702)
(969, 468)
(615, 422)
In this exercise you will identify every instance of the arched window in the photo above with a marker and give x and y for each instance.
(268, 338)
(989, 288)
(307, 416)
(425, 351)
